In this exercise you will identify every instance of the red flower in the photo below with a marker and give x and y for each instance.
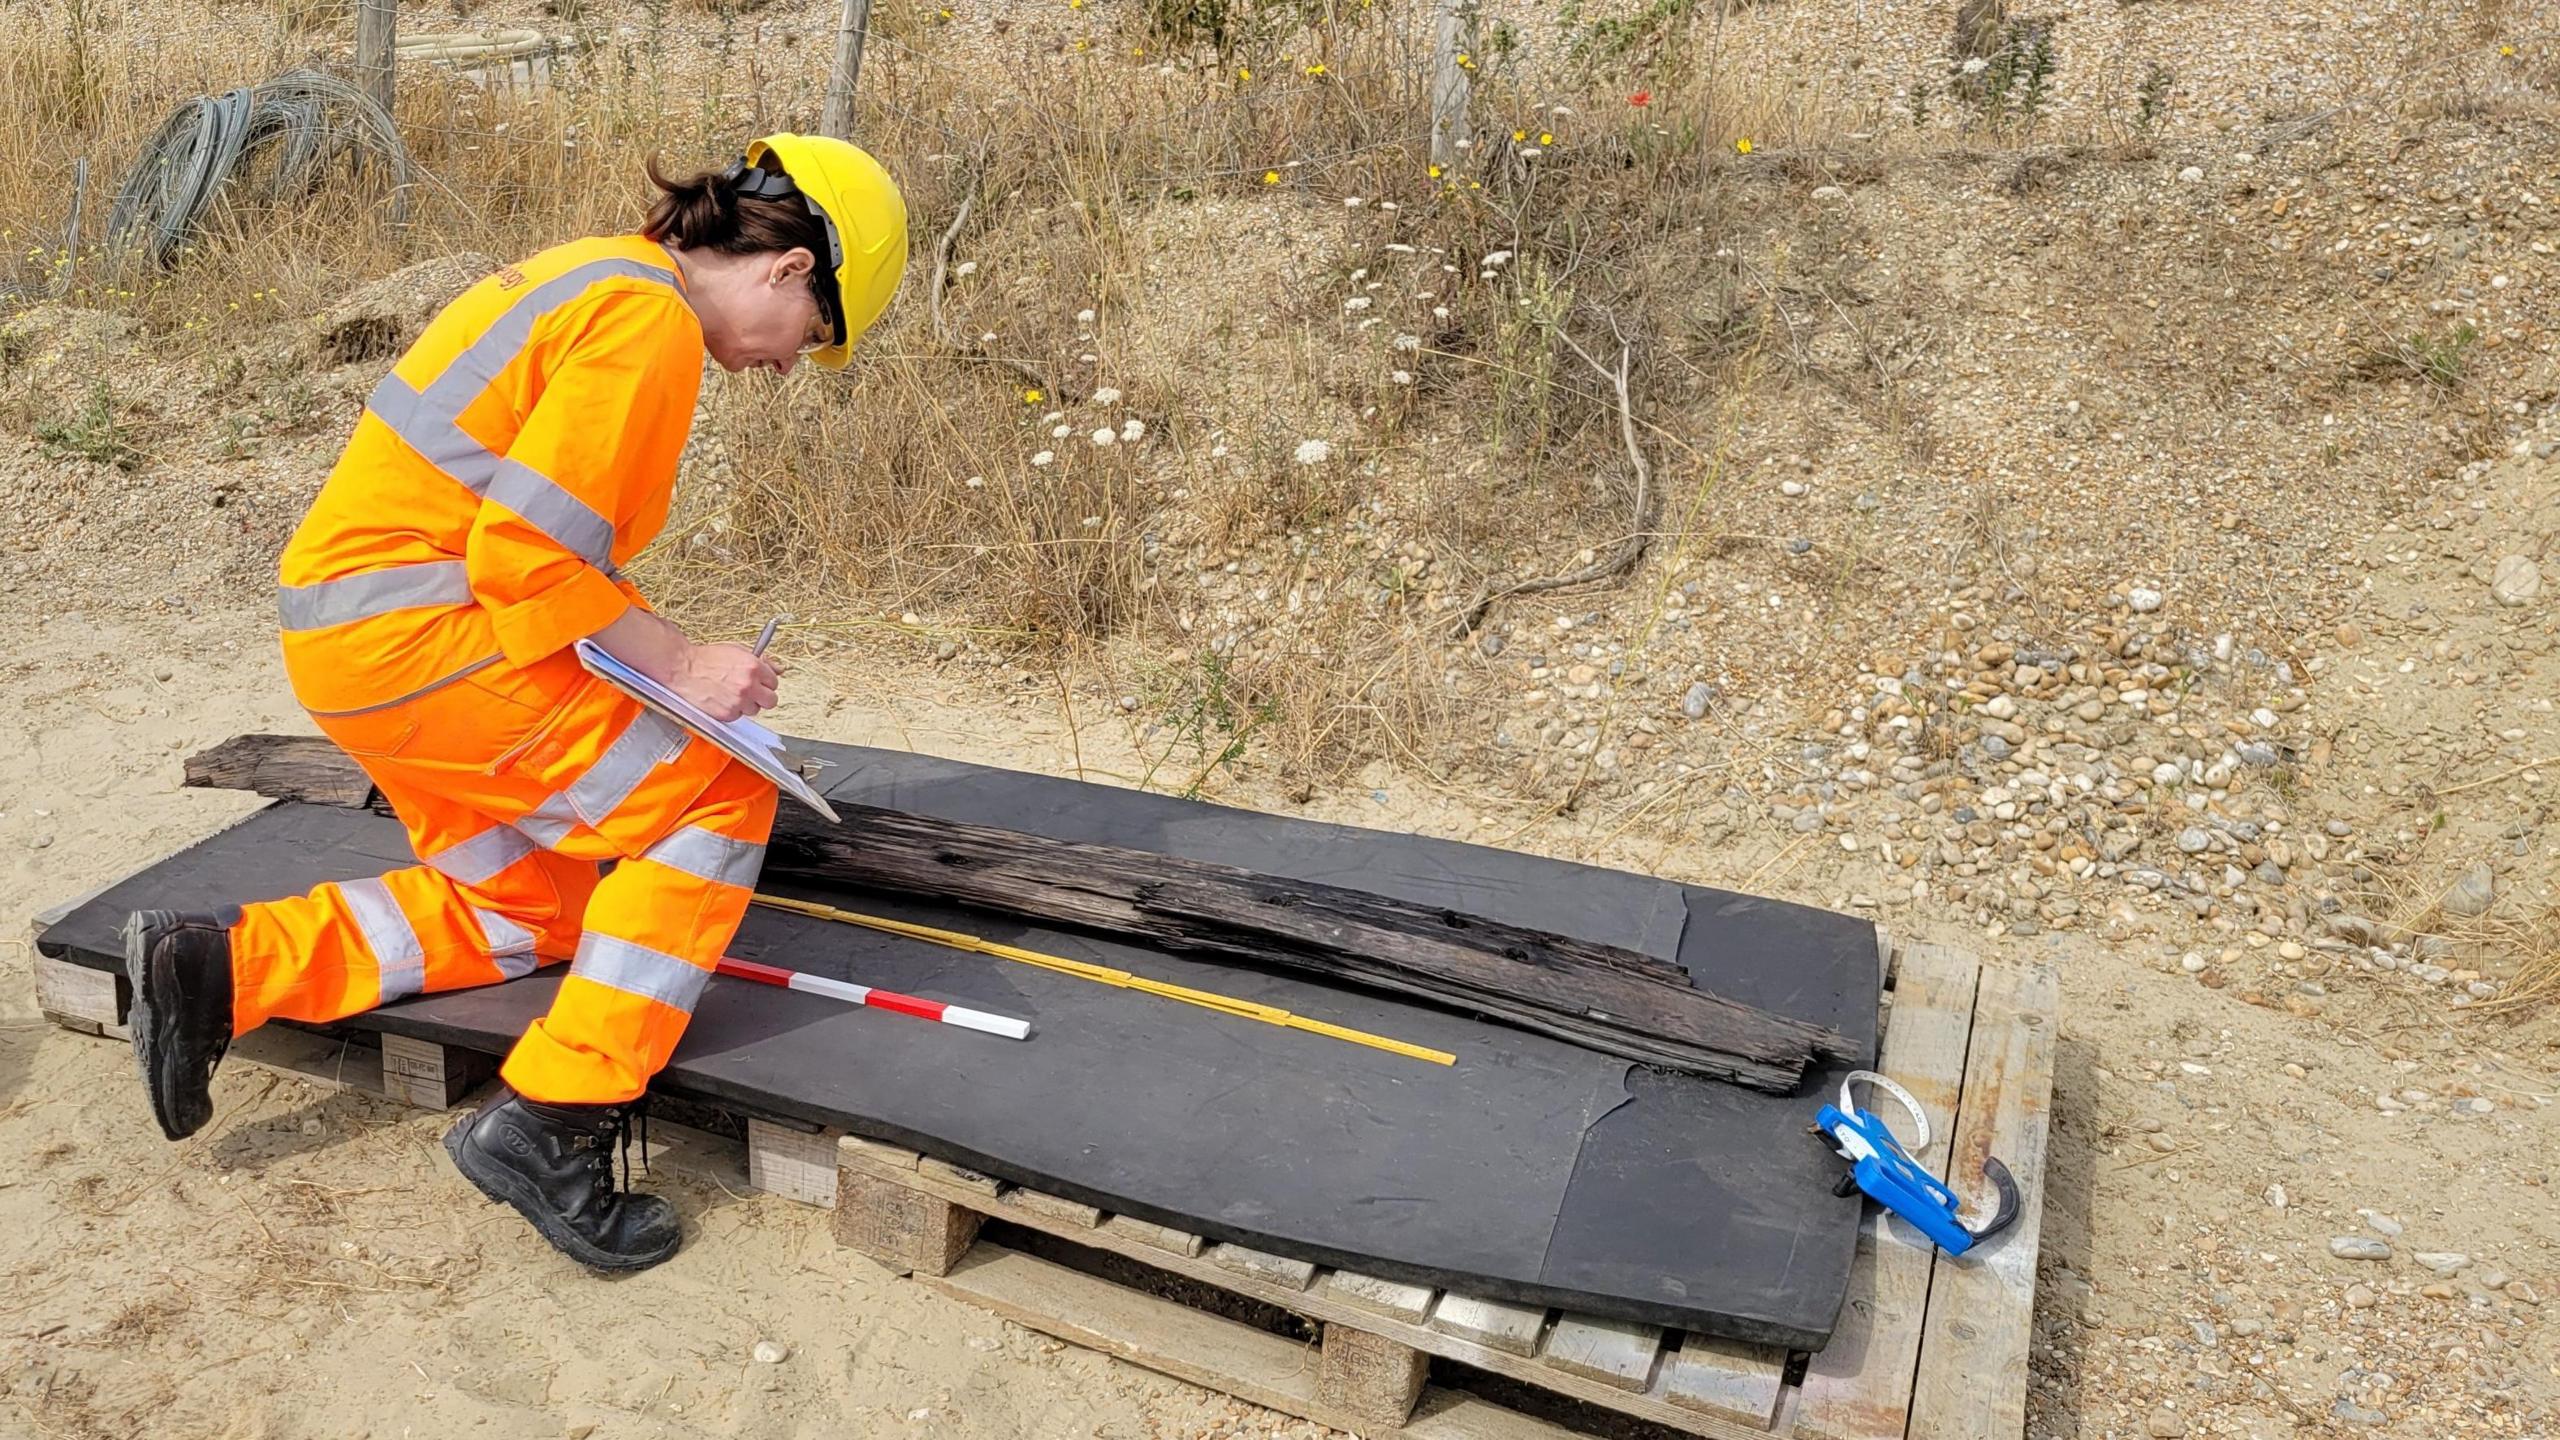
(1640, 99)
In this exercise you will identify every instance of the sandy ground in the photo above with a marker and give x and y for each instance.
(309, 1265)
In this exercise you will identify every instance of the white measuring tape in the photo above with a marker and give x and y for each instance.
(1919, 1117)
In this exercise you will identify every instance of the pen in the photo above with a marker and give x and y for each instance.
(767, 637)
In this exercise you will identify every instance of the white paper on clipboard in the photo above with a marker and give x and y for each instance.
(761, 749)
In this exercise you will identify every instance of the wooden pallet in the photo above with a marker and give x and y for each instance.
(396, 1067)
(1927, 1348)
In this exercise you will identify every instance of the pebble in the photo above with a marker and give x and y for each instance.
(2443, 1262)
(771, 1352)
(1491, 645)
(2144, 600)
(1792, 489)
(2383, 1224)
(2359, 1297)
(2192, 963)
(2357, 1247)
(581, 1430)
(2355, 1414)
(2519, 1291)
(2193, 174)
(2165, 1425)
(2193, 840)
(2516, 580)
(2472, 894)
(1694, 704)
(2276, 1197)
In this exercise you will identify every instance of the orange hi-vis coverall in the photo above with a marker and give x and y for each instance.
(523, 448)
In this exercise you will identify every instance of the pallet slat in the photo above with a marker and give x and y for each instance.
(1386, 1297)
(1147, 1232)
(1207, 1350)
(1054, 1207)
(1859, 1386)
(76, 997)
(1613, 1352)
(1722, 1377)
(1511, 1328)
(1973, 1363)
(1235, 1268)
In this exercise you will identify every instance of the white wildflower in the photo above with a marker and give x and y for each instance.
(1106, 395)
(1356, 302)
(1061, 432)
(988, 338)
(1314, 452)
(1562, 111)
(964, 269)
(1408, 342)
(1402, 377)
(1092, 522)
(1043, 458)
(1400, 249)
(1352, 202)
(1531, 152)
(1976, 65)
(1106, 437)
(977, 482)
(1360, 274)
(1134, 431)
(1498, 257)
(1439, 312)
(1084, 317)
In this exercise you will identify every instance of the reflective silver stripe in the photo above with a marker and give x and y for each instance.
(510, 944)
(430, 420)
(375, 592)
(639, 970)
(429, 688)
(478, 860)
(555, 512)
(649, 740)
(548, 823)
(397, 954)
(716, 858)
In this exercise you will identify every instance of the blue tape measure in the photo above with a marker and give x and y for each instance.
(1880, 1166)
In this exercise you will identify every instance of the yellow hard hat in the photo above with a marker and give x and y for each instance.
(866, 222)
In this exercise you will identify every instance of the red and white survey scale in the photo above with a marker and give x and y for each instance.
(852, 994)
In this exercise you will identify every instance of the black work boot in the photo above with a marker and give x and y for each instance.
(554, 1163)
(180, 966)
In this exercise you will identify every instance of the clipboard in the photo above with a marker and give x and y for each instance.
(751, 743)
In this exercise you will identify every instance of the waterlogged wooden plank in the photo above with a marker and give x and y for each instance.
(1147, 1232)
(791, 1161)
(1055, 1207)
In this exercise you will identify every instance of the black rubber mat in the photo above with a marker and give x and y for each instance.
(1530, 1171)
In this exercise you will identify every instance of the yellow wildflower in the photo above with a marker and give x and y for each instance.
(1270, 177)
(1742, 146)
(1316, 69)
(1546, 139)
(1244, 72)
(1030, 397)
(1435, 172)
(1519, 135)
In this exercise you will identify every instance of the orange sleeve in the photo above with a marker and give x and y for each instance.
(599, 447)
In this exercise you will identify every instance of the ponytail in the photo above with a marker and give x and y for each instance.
(706, 212)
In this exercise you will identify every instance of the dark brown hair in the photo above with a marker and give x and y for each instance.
(707, 213)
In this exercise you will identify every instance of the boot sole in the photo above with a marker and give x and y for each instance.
(517, 1193)
(144, 1022)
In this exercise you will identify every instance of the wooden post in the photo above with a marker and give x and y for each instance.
(837, 121)
(377, 34)
(1451, 82)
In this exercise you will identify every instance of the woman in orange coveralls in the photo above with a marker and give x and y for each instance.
(522, 450)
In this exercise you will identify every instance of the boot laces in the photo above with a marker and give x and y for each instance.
(613, 1132)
